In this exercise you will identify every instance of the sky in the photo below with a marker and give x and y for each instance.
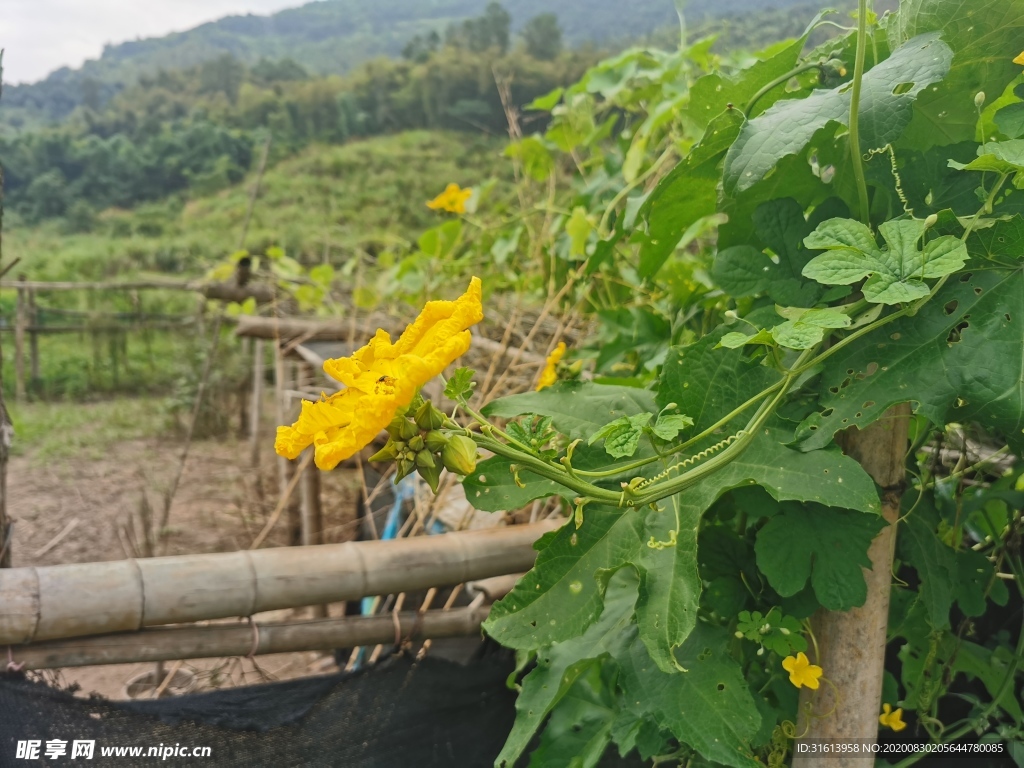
(40, 36)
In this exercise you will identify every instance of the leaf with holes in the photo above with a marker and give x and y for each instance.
(826, 545)
(493, 487)
(934, 562)
(959, 359)
(886, 109)
(708, 708)
(984, 36)
(564, 592)
(896, 273)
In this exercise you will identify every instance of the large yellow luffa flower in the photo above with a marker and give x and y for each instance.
(381, 378)
(453, 199)
(550, 373)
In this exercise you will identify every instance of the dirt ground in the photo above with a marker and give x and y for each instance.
(91, 508)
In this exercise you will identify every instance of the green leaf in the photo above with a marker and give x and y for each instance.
(578, 227)
(984, 35)
(743, 270)
(935, 564)
(460, 385)
(622, 436)
(493, 487)
(669, 584)
(579, 729)
(885, 111)
(560, 666)
(440, 241)
(687, 194)
(960, 358)
(1010, 120)
(564, 592)
(577, 409)
(669, 425)
(805, 328)
(826, 545)
(709, 708)
(895, 273)
(977, 661)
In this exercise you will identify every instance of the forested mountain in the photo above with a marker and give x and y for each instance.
(332, 37)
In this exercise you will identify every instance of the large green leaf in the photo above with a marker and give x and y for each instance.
(564, 592)
(827, 546)
(580, 727)
(886, 109)
(688, 193)
(984, 36)
(960, 358)
(935, 564)
(493, 487)
(562, 664)
(669, 585)
(708, 708)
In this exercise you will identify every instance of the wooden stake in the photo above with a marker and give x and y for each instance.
(20, 323)
(255, 405)
(33, 339)
(852, 643)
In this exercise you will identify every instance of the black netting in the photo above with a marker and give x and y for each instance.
(398, 713)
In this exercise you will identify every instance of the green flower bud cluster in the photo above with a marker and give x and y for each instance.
(418, 445)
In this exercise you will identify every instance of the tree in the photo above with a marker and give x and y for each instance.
(543, 36)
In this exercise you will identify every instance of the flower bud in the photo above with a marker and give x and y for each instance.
(404, 468)
(739, 634)
(388, 453)
(428, 417)
(424, 458)
(416, 443)
(401, 428)
(459, 456)
(979, 99)
(435, 441)
(432, 476)
(930, 221)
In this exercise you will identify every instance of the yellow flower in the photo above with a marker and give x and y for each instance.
(892, 718)
(550, 375)
(801, 671)
(1019, 59)
(453, 199)
(381, 380)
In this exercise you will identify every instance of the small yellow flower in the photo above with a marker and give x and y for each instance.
(453, 199)
(892, 718)
(381, 380)
(801, 671)
(1019, 59)
(550, 375)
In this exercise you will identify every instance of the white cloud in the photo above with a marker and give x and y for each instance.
(43, 35)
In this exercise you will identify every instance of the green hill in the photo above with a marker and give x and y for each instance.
(333, 36)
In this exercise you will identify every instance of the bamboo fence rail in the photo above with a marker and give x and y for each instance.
(172, 643)
(63, 601)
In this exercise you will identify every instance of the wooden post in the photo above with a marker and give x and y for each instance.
(20, 321)
(257, 401)
(285, 468)
(312, 517)
(33, 340)
(852, 643)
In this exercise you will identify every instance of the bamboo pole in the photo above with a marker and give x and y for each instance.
(285, 468)
(852, 643)
(62, 601)
(171, 643)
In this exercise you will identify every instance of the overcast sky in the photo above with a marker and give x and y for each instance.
(43, 35)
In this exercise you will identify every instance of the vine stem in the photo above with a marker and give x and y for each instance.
(858, 76)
